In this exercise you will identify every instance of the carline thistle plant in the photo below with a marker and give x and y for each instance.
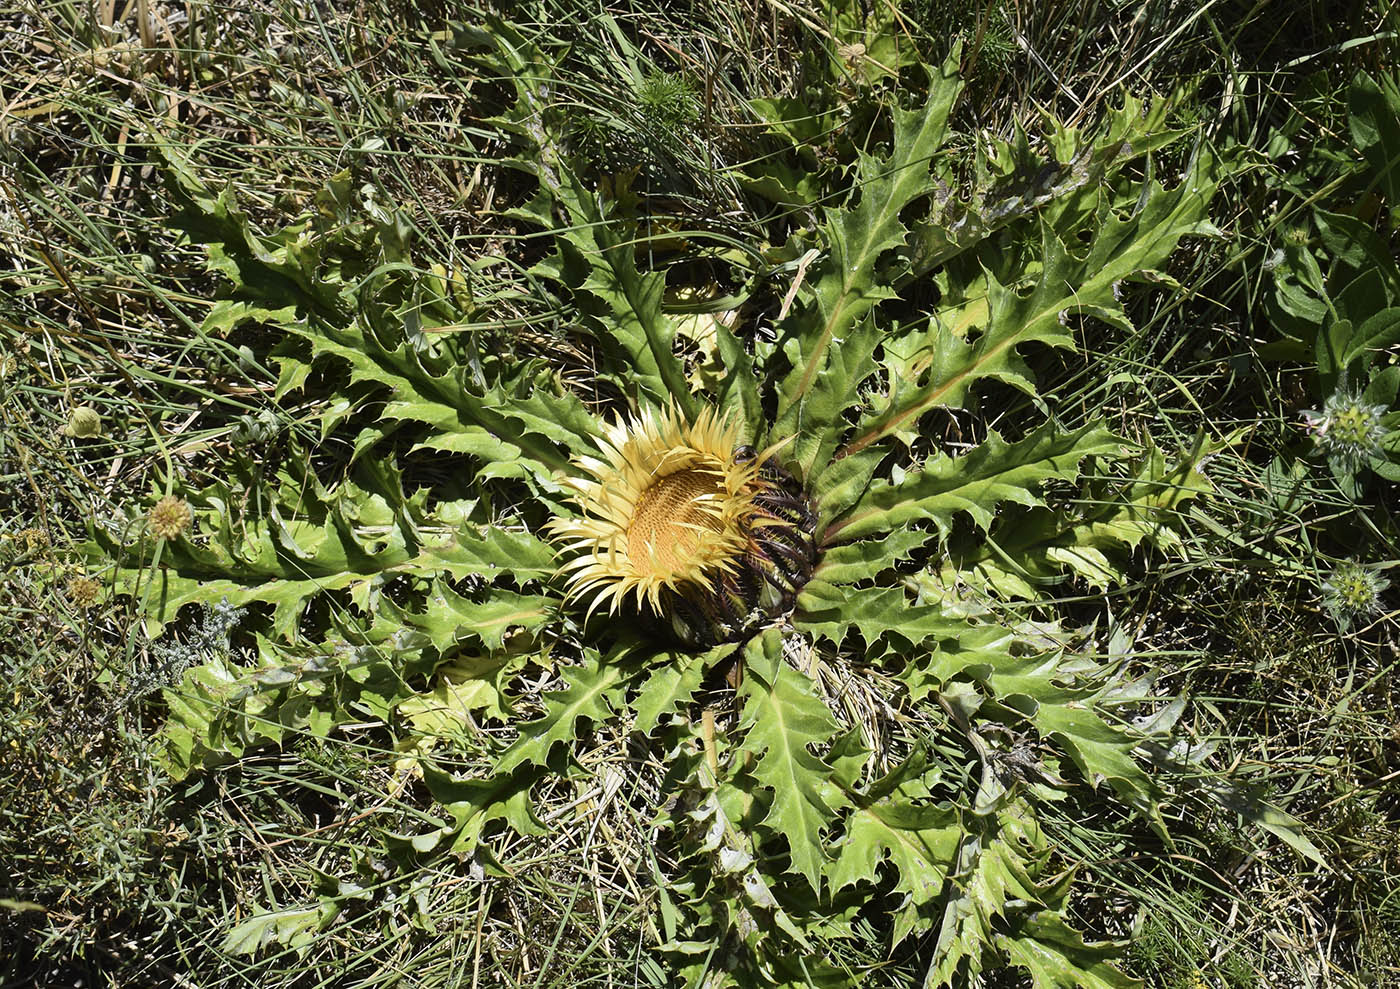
(823, 562)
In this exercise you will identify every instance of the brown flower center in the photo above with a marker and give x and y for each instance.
(666, 523)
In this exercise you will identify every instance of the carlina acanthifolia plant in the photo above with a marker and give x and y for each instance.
(855, 731)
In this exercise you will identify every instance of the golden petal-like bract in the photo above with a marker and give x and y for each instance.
(669, 508)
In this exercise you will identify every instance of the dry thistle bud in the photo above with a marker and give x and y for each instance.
(34, 539)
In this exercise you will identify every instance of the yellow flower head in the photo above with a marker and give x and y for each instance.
(669, 509)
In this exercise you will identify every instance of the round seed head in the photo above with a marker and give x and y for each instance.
(1352, 592)
(1348, 429)
(170, 517)
(84, 592)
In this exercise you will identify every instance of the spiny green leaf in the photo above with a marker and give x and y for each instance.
(227, 314)
(593, 692)
(295, 928)
(324, 540)
(268, 271)
(462, 688)
(448, 619)
(739, 390)
(672, 684)
(1090, 537)
(843, 289)
(464, 551)
(595, 260)
(854, 562)
(730, 850)
(844, 483)
(221, 709)
(976, 482)
(919, 839)
(830, 611)
(499, 422)
(634, 300)
(1004, 906)
(475, 803)
(782, 717)
(995, 867)
(975, 652)
(1056, 956)
(1101, 751)
(1039, 688)
(849, 757)
(817, 427)
(1122, 248)
(351, 537)
(1077, 164)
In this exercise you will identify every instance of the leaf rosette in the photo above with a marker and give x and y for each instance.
(850, 723)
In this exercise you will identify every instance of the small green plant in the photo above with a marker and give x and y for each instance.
(1336, 295)
(667, 101)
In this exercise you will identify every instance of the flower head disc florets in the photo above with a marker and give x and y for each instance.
(1353, 592)
(678, 520)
